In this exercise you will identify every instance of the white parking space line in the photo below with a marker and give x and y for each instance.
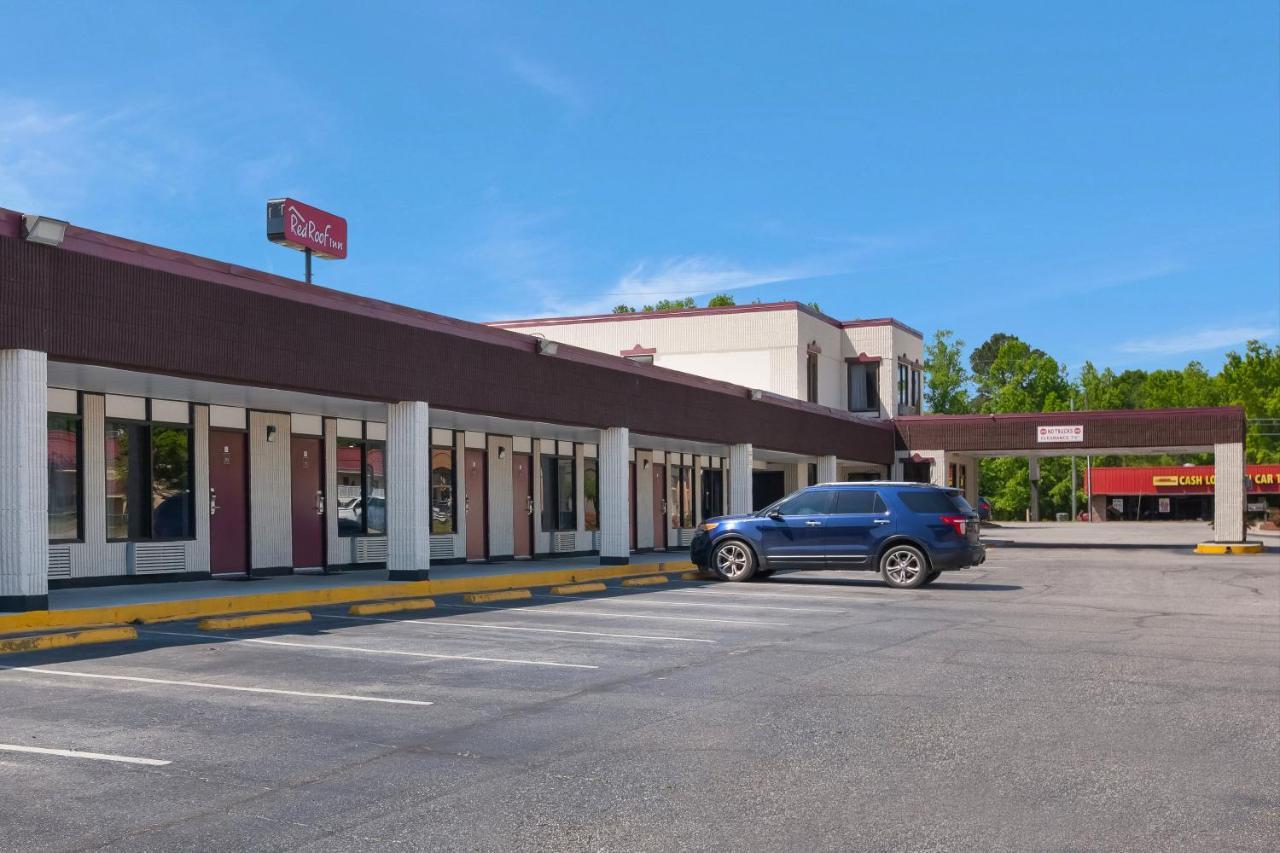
(211, 686)
(75, 753)
(560, 612)
(778, 593)
(437, 623)
(330, 647)
(658, 598)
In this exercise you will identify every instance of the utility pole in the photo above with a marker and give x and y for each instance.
(1074, 515)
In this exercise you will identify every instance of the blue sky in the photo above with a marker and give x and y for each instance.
(1102, 179)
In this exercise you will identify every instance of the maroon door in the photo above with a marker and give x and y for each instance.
(308, 502)
(521, 503)
(659, 507)
(228, 502)
(631, 488)
(475, 502)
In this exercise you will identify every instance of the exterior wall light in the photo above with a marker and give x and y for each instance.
(271, 433)
(502, 453)
(43, 229)
(546, 347)
(756, 394)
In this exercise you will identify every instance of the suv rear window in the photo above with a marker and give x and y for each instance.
(932, 503)
(851, 501)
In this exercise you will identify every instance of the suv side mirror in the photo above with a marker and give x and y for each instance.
(775, 515)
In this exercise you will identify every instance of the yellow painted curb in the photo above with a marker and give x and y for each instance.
(646, 580)
(1229, 548)
(223, 605)
(253, 620)
(376, 607)
(697, 576)
(501, 595)
(577, 587)
(38, 642)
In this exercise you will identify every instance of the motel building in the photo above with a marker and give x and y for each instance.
(167, 417)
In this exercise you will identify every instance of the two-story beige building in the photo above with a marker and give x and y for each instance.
(869, 367)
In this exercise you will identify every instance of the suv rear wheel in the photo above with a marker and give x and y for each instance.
(733, 561)
(904, 567)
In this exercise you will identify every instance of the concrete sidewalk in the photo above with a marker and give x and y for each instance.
(162, 602)
(1108, 534)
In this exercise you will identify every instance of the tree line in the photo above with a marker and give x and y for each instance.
(1006, 374)
(720, 300)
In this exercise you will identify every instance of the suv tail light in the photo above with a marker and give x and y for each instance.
(957, 522)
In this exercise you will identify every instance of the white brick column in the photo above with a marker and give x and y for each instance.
(741, 457)
(408, 491)
(24, 487)
(1033, 474)
(1229, 492)
(827, 469)
(615, 496)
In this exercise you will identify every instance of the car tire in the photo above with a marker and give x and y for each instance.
(931, 577)
(904, 566)
(733, 560)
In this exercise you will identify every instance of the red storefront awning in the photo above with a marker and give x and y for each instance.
(1177, 480)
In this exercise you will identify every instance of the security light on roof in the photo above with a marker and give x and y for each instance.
(43, 229)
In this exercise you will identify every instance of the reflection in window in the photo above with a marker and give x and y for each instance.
(148, 480)
(712, 493)
(64, 477)
(591, 493)
(362, 488)
(443, 519)
(559, 510)
(681, 507)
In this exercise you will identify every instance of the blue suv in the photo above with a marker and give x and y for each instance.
(908, 532)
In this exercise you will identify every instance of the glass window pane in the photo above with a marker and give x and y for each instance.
(591, 493)
(567, 508)
(854, 501)
(128, 492)
(64, 477)
(943, 503)
(375, 479)
(171, 483)
(686, 497)
(350, 488)
(442, 518)
(712, 493)
(814, 502)
(549, 501)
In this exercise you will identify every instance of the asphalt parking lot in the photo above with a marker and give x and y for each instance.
(1063, 699)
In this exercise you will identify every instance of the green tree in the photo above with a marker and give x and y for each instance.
(674, 304)
(815, 306)
(623, 309)
(982, 356)
(721, 300)
(1252, 380)
(1022, 379)
(945, 376)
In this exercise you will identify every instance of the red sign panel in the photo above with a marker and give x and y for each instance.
(301, 226)
(1178, 480)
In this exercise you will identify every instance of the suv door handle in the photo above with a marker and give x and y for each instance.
(813, 524)
(880, 521)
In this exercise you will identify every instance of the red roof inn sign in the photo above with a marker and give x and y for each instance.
(303, 227)
(1060, 434)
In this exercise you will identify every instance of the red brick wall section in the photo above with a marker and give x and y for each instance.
(84, 308)
(1102, 430)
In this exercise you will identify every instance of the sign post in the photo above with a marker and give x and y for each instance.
(308, 229)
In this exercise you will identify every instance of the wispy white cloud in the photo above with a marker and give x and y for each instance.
(1199, 340)
(548, 81)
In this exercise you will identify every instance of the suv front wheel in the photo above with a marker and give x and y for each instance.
(904, 567)
(733, 561)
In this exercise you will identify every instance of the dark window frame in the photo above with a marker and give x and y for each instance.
(551, 493)
(364, 443)
(590, 464)
(150, 424)
(452, 450)
(78, 420)
(811, 376)
(710, 475)
(869, 374)
(678, 477)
